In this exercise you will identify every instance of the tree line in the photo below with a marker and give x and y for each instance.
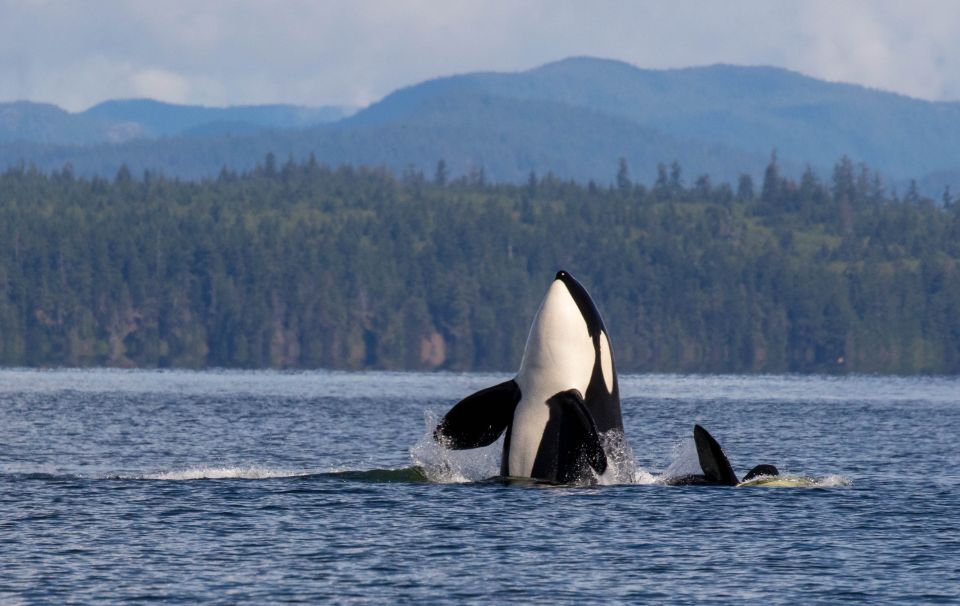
(299, 265)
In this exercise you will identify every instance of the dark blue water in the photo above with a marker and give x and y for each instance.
(264, 487)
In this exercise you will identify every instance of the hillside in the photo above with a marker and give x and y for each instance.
(302, 266)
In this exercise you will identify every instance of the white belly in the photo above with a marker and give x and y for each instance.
(529, 421)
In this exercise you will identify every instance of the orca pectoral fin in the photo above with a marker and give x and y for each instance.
(578, 429)
(479, 419)
(713, 462)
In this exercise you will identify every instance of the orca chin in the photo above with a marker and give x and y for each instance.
(562, 401)
(715, 466)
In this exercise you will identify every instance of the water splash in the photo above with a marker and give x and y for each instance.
(685, 461)
(622, 465)
(446, 466)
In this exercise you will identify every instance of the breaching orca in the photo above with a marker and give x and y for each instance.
(564, 397)
(715, 465)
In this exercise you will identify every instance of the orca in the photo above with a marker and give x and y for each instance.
(561, 407)
(715, 466)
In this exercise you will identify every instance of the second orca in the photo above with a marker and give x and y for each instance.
(715, 467)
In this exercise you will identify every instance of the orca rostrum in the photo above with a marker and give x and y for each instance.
(715, 467)
(561, 412)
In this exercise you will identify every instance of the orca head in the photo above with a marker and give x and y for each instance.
(764, 469)
(588, 310)
(604, 382)
(560, 346)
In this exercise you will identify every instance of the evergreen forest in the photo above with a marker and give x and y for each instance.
(299, 265)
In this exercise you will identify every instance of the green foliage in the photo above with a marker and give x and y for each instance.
(302, 266)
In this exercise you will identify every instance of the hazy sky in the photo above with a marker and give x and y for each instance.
(214, 52)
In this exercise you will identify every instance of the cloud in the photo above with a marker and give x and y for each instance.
(221, 52)
(905, 47)
(161, 85)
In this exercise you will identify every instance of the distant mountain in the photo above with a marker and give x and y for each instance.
(751, 109)
(45, 123)
(505, 138)
(574, 117)
(125, 120)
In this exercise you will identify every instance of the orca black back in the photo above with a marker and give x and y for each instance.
(602, 403)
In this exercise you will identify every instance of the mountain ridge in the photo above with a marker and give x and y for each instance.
(122, 120)
(720, 119)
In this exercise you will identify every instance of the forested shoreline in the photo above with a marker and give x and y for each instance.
(304, 266)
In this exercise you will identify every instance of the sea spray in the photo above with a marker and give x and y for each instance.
(685, 461)
(446, 466)
(622, 465)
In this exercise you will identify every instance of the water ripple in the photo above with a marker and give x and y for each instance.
(120, 487)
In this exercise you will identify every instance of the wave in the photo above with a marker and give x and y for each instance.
(411, 474)
(445, 470)
(250, 472)
(406, 475)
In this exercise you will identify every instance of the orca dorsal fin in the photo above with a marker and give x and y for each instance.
(479, 419)
(713, 462)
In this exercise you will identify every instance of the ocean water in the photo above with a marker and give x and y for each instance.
(265, 487)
